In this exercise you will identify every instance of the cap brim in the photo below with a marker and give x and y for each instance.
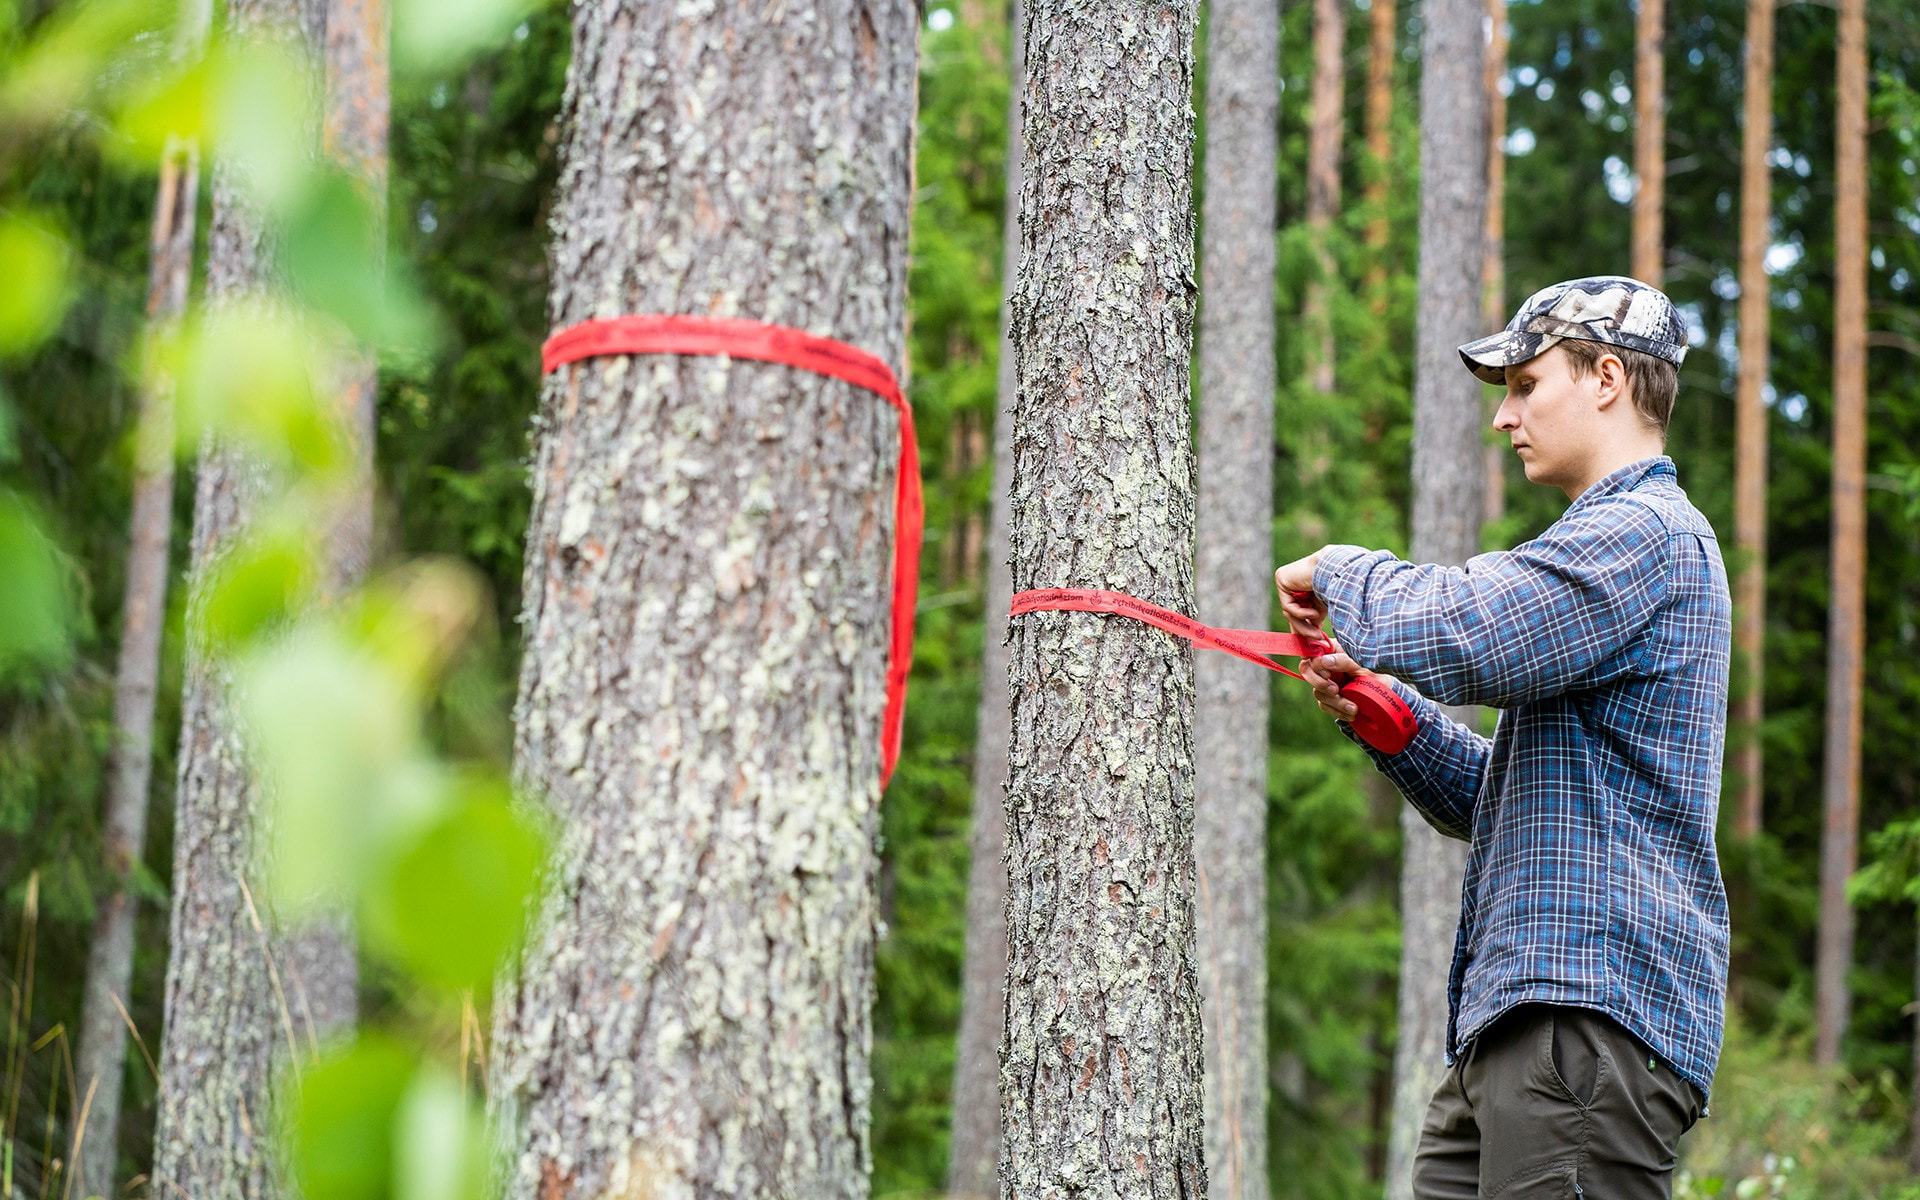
(1490, 357)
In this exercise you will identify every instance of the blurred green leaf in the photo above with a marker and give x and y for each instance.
(332, 252)
(74, 53)
(441, 1149)
(173, 104)
(344, 1120)
(38, 283)
(337, 741)
(263, 115)
(33, 610)
(452, 905)
(248, 373)
(257, 585)
(429, 33)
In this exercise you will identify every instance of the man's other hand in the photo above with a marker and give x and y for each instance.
(1327, 673)
(1303, 609)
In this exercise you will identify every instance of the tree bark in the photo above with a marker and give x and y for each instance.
(1383, 19)
(1493, 271)
(1649, 139)
(1101, 1071)
(1323, 178)
(234, 1012)
(1447, 507)
(1846, 616)
(1234, 569)
(974, 1156)
(1750, 419)
(707, 613)
(103, 1031)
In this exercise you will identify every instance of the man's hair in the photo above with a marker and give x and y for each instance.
(1655, 381)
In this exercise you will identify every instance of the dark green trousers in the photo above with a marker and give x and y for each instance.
(1554, 1102)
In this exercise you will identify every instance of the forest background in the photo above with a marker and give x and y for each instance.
(472, 175)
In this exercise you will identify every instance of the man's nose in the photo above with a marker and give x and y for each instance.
(1505, 418)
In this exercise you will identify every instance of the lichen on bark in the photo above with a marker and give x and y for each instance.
(1101, 1061)
(706, 611)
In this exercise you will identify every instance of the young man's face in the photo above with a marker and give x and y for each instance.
(1553, 419)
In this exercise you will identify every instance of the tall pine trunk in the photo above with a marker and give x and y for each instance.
(236, 1009)
(1447, 508)
(1234, 584)
(1649, 139)
(1750, 416)
(1101, 1072)
(1846, 614)
(1493, 270)
(1383, 19)
(707, 613)
(974, 1148)
(1323, 179)
(103, 1031)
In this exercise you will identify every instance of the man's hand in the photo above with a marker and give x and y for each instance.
(1302, 608)
(1327, 673)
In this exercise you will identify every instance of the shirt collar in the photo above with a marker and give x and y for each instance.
(1626, 478)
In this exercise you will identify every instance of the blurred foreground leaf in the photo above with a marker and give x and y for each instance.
(449, 907)
(442, 1149)
(37, 287)
(257, 585)
(33, 618)
(248, 375)
(429, 33)
(344, 1120)
(337, 741)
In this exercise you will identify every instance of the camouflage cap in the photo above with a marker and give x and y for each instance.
(1611, 309)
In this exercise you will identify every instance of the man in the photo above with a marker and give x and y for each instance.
(1586, 997)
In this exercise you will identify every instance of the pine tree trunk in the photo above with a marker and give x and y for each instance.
(707, 613)
(1323, 178)
(1649, 139)
(1447, 508)
(1234, 584)
(1101, 1070)
(1383, 19)
(103, 1031)
(1750, 419)
(1846, 616)
(1493, 271)
(234, 1013)
(974, 1156)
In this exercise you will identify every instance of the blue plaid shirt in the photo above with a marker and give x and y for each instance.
(1591, 878)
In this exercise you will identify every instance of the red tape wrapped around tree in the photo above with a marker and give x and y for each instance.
(761, 342)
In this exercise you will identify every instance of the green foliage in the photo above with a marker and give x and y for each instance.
(1780, 1127)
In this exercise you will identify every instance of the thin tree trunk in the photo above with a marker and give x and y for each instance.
(1380, 49)
(1493, 271)
(1447, 508)
(707, 614)
(232, 1020)
(1846, 618)
(1234, 580)
(1323, 178)
(974, 1155)
(103, 1032)
(1649, 139)
(1750, 409)
(1101, 1070)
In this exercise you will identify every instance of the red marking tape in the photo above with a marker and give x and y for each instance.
(1383, 721)
(823, 356)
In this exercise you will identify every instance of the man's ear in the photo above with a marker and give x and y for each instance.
(1610, 375)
